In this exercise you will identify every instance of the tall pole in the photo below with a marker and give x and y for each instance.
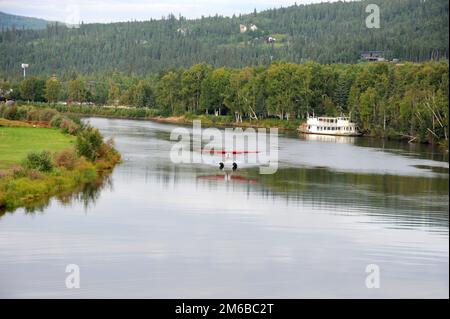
(24, 67)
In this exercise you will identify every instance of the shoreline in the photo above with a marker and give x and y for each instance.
(40, 173)
(146, 114)
(181, 120)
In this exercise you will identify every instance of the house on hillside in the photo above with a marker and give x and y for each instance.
(253, 27)
(243, 28)
(372, 56)
(182, 31)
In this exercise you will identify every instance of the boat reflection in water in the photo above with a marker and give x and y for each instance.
(228, 177)
(328, 138)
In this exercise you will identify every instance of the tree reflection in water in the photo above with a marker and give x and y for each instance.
(88, 194)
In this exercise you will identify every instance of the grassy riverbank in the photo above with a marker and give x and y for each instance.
(37, 163)
(17, 142)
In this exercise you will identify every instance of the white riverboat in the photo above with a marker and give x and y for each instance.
(340, 126)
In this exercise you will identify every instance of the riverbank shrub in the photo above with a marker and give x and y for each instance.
(88, 143)
(9, 112)
(68, 126)
(46, 114)
(40, 161)
(56, 120)
(66, 158)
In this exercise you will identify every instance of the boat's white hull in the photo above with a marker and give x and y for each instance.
(330, 133)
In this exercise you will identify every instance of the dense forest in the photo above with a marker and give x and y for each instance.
(384, 98)
(410, 30)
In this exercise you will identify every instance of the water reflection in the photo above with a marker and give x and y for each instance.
(191, 230)
(227, 178)
(328, 138)
(86, 194)
(405, 189)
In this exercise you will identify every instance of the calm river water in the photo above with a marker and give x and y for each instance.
(158, 229)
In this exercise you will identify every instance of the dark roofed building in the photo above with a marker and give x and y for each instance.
(372, 56)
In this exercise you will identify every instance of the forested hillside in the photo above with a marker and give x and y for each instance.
(413, 30)
(10, 21)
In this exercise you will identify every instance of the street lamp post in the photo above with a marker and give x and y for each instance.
(24, 67)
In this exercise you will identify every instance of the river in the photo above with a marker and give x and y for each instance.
(337, 212)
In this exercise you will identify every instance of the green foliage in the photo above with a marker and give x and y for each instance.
(41, 161)
(32, 89)
(46, 114)
(169, 92)
(52, 90)
(88, 143)
(77, 90)
(10, 113)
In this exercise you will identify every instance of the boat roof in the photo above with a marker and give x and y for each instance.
(329, 117)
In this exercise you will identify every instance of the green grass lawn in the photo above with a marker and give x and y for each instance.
(17, 142)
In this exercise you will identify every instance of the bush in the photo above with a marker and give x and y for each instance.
(68, 126)
(17, 171)
(66, 158)
(88, 143)
(46, 115)
(41, 161)
(109, 154)
(33, 114)
(56, 120)
(34, 174)
(11, 113)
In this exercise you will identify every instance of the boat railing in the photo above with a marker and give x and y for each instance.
(319, 123)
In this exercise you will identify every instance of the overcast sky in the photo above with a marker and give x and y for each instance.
(74, 11)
